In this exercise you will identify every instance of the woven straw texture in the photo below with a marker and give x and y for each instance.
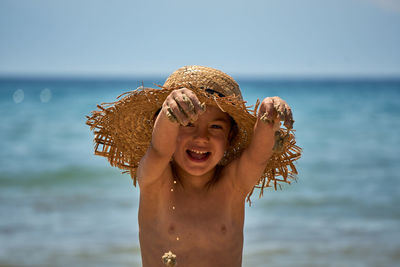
(123, 128)
(204, 78)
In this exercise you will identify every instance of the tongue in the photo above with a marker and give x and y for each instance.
(197, 155)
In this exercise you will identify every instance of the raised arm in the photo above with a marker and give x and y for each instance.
(251, 164)
(179, 108)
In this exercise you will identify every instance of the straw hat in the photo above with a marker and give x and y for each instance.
(123, 128)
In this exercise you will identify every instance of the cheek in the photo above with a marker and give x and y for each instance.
(182, 136)
(223, 141)
(179, 145)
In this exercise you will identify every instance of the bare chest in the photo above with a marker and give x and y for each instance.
(206, 219)
(194, 226)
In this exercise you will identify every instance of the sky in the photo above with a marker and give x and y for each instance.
(261, 38)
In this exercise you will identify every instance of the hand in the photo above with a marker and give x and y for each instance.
(182, 106)
(273, 110)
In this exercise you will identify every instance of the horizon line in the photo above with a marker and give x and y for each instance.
(239, 77)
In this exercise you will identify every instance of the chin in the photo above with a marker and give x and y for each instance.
(199, 172)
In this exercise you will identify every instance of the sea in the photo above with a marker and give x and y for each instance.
(60, 205)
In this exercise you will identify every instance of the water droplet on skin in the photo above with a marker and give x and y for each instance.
(173, 207)
(172, 190)
(177, 239)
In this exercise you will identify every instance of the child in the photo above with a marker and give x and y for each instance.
(197, 153)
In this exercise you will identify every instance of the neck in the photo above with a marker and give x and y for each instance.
(193, 182)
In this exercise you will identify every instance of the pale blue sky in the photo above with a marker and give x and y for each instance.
(260, 38)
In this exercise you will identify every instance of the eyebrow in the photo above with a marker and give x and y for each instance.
(220, 119)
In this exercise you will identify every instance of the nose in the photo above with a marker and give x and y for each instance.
(201, 134)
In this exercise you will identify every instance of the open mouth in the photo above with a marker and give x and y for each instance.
(197, 155)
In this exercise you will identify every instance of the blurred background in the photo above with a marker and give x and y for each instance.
(337, 63)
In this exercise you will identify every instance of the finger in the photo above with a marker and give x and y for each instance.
(168, 112)
(194, 111)
(280, 109)
(289, 119)
(266, 105)
(188, 102)
(267, 111)
(185, 106)
(199, 108)
(177, 112)
(286, 115)
(170, 115)
(264, 118)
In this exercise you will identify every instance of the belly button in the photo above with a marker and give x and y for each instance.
(223, 229)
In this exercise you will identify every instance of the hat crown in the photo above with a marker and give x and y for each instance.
(209, 79)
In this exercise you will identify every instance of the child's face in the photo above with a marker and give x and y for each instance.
(201, 145)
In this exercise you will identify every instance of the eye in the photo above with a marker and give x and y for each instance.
(216, 126)
(189, 124)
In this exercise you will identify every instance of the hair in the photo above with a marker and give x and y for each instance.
(233, 131)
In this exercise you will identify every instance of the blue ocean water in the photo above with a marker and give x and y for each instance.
(62, 206)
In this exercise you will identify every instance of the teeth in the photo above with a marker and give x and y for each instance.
(198, 152)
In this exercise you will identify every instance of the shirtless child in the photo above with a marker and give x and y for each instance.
(191, 203)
